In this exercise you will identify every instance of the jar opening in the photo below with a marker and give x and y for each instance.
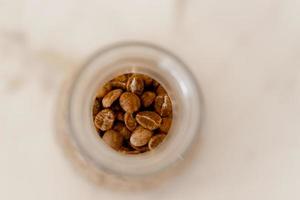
(132, 113)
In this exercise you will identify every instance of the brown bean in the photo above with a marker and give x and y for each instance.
(149, 120)
(128, 151)
(130, 121)
(113, 139)
(140, 137)
(141, 149)
(155, 141)
(104, 90)
(165, 124)
(104, 119)
(96, 107)
(135, 84)
(122, 78)
(119, 82)
(130, 102)
(161, 91)
(112, 96)
(147, 80)
(163, 105)
(148, 98)
(121, 128)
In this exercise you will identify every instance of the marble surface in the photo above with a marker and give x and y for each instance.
(245, 55)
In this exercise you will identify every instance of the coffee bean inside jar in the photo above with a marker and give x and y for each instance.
(132, 113)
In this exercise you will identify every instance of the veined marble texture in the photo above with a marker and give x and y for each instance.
(245, 55)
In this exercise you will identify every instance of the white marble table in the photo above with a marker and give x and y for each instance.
(245, 54)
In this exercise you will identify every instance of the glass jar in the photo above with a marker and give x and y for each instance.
(75, 122)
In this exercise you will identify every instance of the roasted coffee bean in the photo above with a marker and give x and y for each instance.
(121, 128)
(122, 78)
(104, 90)
(140, 149)
(130, 102)
(160, 90)
(133, 152)
(118, 85)
(147, 80)
(148, 98)
(104, 119)
(165, 124)
(119, 82)
(163, 105)
(135, 84)
(155, 141)
(112, 96)
(149, 120)
(128, 151)
(97, 107)
(130, 121)
(113, 139)
(140, 137)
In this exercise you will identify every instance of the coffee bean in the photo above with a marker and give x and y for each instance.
(122, 78)
(149, 120)
(130, 121)
(130, 102)
(118, 85)
(121, 128)
(163, 105)
(97, 107)
(135, 84)
(148, 98)
(128, 151)
(141, 149)
(112, 96)
(155, 141)
(147, 80)
(104, 90)
(113, 139)
(166, 124)
(140, 137)
(119, 82)
(161, 91)
(104, 119)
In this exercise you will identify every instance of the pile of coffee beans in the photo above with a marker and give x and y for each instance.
(132, 113)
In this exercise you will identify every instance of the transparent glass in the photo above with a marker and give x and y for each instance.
(75, 118)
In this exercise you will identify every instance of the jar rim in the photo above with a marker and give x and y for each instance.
(189, 89)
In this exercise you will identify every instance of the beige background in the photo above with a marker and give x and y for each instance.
(245, 55)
